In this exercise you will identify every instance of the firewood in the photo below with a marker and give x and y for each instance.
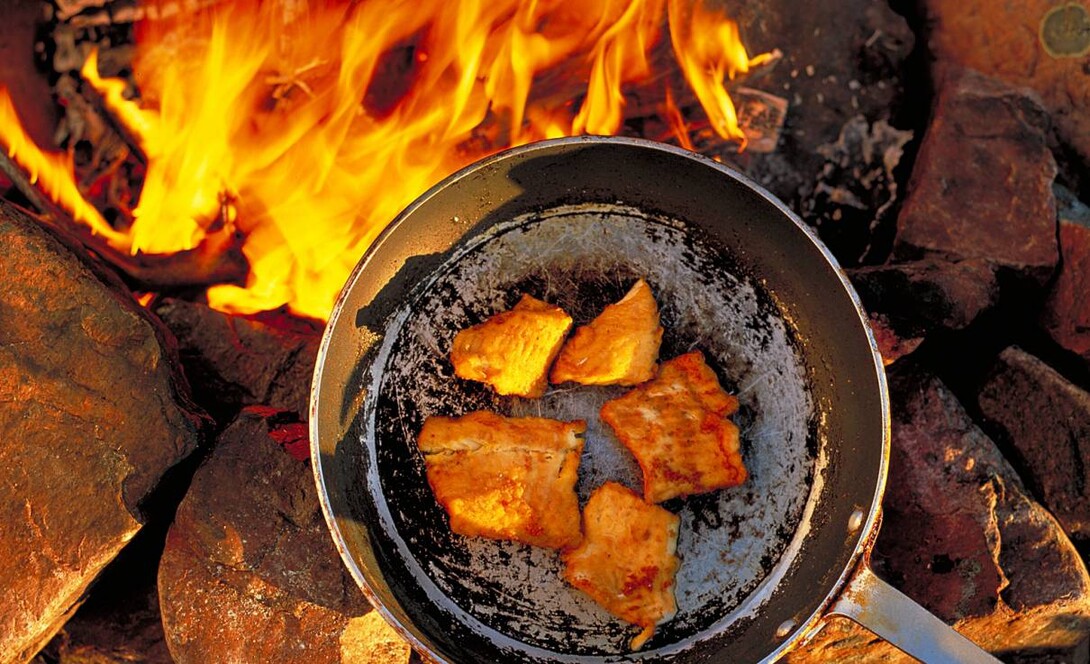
(97, 13)
(218, 259)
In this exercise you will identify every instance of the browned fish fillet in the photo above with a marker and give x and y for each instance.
(512, 350)
(619, 347)
(626, 560)
(508, 478)
(676, 427)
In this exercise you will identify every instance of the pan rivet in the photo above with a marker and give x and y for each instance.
(785, 628)
(855, 520)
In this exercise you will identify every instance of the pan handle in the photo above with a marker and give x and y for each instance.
(895, 617)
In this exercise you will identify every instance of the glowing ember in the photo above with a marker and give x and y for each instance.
(281, 119)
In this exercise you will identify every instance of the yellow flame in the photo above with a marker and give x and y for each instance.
(283, 119)
(709, 48)
(52, 172)
(619, 56)
(142, 124)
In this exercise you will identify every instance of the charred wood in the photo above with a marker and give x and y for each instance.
(218, 259)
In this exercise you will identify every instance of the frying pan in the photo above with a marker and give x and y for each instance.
(575, 222)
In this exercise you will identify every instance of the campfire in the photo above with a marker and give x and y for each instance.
(185, 186)
(302, 130)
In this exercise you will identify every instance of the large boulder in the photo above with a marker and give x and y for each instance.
(1039, 44)
(93, 412)
(963, 537)
(1045, 420)
(981, 187)
(250, 573)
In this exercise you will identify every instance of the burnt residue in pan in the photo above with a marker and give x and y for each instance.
(583, 258)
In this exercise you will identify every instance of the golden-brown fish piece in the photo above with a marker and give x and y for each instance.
(509, 478)
(676, 427)
(619, 347)
(512, 350)
(626, 561)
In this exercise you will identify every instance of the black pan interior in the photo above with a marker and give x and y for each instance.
(575, 223)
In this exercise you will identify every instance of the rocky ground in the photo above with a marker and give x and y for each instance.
(156, 494)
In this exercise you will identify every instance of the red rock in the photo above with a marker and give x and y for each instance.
(1067, 312)
(249, 554)
(235, 361)
(962, 537)
(1027, 44)
(891, 345)
(93, 411)
(1046, 420)
(920, 296)
(981, 187)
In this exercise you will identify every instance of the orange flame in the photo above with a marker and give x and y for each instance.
(52, 172)
(709, 48)
(677, 121)
(283, 119)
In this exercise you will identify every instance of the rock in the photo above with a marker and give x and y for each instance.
(891, 345)
(981, 187)
(249, 553)
(919, 296)
(1039, 44)
(235, 361)
(1046, 421)
(962, 537)
(120, 621)
(93, 412)
(1067, 312)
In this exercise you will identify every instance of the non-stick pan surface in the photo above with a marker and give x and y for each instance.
(576, 222)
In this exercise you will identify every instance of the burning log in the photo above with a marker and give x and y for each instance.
(761, 117)
(218, 259)
(46, 208)
(310, 133)
(87, 117)
(93, 13)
